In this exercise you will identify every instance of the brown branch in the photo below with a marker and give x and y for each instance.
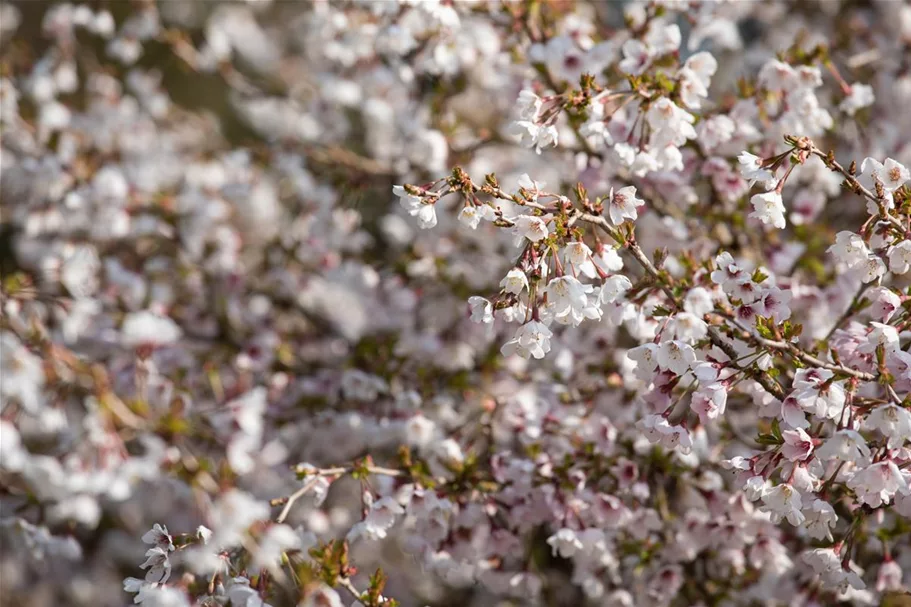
(765, 380)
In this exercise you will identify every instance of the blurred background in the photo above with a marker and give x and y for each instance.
(196, 216)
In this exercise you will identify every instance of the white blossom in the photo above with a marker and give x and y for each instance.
(579, 256)
(821, 518)
(623, 204)
(769, 209)
(751, 168)
(481, 310)
(783, 501)
(530, 227)
(515, 281)
(658, 430)
(891, 174)
(532, 135)
(676, 356)
(565, 543)
(861, 96)
(613, 288)
(149, 328)
(845, 445)
(470, 217)
(891, 421)
(797, 445)
(876, 484)
(531, 340)
(849, 248)
(900, 257)
(198, 297)
(646, 358)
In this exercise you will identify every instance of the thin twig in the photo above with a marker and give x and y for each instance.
(323, 473)
(345, 583)
(296, 496)
(856, 185)
(766, 381)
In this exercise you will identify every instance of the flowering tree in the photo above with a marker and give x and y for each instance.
(419, 302)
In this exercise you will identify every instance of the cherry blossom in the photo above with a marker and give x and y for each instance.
(783, 501)
(877, 483)
(893, 422)
(531, 340)
(623, 205)
(565, 543)
(900, 257)
(769, 209)
(797, 444)
(676, 357)
(266, 267)
(515, 281)
(481, 310)
(532, 228)
(821, 518)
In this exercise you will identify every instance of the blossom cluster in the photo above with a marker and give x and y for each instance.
(416, 302)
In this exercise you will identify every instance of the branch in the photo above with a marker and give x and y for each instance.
(804, 356)
(321, 473)
(856, 185)
(296, 496)
(345, 583)
(766, 381)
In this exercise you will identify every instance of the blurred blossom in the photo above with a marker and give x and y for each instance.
(347, 303)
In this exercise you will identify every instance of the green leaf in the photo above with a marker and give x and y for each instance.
(776, 430)
(661, 311)
(767, 439)
(763, 329)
